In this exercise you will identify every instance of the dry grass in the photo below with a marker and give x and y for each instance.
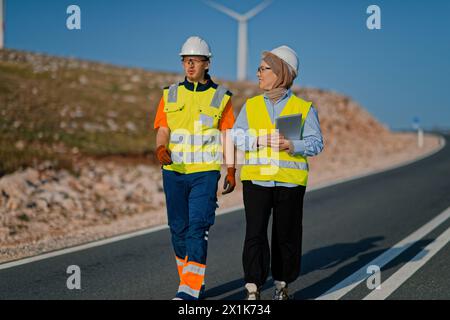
(54, 108)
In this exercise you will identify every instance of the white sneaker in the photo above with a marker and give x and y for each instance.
(252, 292)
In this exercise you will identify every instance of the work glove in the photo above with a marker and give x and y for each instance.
(163, 155)
(230, 181)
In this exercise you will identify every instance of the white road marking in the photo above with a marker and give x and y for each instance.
(405, 272)
(220, 212)
(80, 247)
(352, 281)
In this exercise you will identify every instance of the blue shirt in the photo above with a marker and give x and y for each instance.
(311, 144)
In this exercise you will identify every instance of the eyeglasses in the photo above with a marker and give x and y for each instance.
(193, 61)
(261, 69)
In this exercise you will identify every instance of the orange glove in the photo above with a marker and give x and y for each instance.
(163, 155)
(230, 181)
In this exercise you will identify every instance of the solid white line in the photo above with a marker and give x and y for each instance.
(229, 210)
(219, 212)
(81, 247)
(352, 281)
(99, 243)
(405, 272)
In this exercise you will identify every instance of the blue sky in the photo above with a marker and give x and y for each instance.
(396, 73)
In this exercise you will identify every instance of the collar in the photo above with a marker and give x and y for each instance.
(287, 95)
(200, 86)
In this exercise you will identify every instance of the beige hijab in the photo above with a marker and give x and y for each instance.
(284, 73)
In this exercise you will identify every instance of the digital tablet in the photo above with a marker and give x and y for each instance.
(290, 126)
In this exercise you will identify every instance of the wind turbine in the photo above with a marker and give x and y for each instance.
(242, 48)
(2, 25)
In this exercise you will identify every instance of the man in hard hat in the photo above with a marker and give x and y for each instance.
(192, 120)
(275, 174)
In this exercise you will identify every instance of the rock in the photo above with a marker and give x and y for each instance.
(112, 125)
(12, 204)
(101, 188)
(20, 145)
(135, 78)
(83, 80)
(42, 204)
(131, 126)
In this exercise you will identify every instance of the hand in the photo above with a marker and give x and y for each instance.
(230, 181)
(275, 141)
(163, 155)
(286, 145)
(270, 140)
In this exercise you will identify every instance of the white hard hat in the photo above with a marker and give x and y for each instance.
(287, 55)
(195, 46)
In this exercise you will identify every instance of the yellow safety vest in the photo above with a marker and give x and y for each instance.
(193, 119)
(266, 164)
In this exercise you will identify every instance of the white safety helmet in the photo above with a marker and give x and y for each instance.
(287, 55)
(195, 46)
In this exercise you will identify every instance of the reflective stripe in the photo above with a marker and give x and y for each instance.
(218, 96)
(279, 163)
(186, 289)
(195, 140)
(180, 263)
(196, 157)
(194, 269)
(173, 93)
(206, 120)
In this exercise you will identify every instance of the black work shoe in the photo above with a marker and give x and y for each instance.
(281, 294)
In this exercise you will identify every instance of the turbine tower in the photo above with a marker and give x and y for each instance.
(242, 47)
(2, 24)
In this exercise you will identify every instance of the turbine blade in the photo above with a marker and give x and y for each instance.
(253, 12)
(224, 9)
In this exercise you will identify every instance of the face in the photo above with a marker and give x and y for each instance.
(266, 76)
(195, 67)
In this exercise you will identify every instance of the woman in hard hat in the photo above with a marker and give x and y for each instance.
(191, 120)
(275, 174)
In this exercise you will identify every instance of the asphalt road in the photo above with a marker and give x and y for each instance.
(346, 226)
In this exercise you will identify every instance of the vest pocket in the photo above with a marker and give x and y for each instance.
(173, 107)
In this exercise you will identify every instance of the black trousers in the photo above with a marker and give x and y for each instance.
(287, 228)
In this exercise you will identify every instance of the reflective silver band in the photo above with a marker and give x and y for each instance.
(188, 290)
(218, 96)
(180, 262)
(279, 163)
(194, 269)
(196, 157)
(173, 93)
